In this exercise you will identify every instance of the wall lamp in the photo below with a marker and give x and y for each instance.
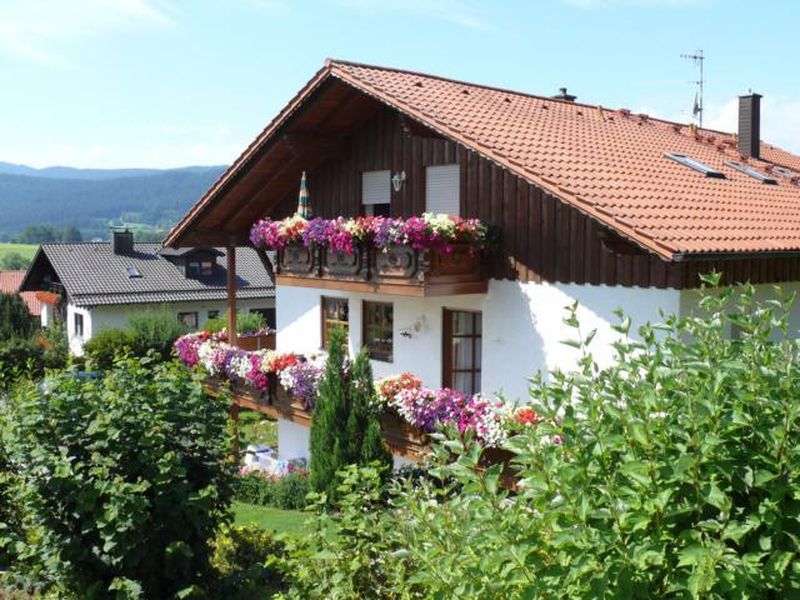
(398, 179)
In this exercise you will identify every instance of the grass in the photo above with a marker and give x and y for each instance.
(26, 250)
(274, 519)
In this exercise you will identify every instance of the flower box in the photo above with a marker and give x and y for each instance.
(288, 407)
(261, 341)
(296, 259)
(342, 265)
(402, 438)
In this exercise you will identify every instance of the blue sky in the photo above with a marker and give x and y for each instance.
(158, 83)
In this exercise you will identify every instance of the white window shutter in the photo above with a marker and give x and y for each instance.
(442, 189)
(375, 187)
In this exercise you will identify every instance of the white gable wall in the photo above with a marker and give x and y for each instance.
(522, 327)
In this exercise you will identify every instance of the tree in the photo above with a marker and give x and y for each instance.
(329, 420)
(14, 261)
(15, 320)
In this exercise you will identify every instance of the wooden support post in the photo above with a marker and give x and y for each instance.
(230, 252)
(233, 412)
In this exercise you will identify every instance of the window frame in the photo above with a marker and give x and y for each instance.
(323, 321)
(447, 348)
(366, 339)
(269, 314)
(182, 315)
(78, 324)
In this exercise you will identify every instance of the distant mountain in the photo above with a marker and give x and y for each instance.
(92, 199)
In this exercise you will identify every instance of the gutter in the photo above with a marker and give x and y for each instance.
(696, 256)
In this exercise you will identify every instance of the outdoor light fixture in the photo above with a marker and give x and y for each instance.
(398, 179)
(415, 328)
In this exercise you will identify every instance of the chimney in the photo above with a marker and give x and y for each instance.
(750, 125)
(563, 95)
(122, 242)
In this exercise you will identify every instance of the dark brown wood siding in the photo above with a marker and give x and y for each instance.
(541, 238)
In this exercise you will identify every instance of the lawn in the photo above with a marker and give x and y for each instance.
(255, 428)
(280, 521)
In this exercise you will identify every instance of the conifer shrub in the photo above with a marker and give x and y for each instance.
(345, 426)
(15, 320)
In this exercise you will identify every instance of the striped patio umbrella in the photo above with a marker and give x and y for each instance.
(303, 209)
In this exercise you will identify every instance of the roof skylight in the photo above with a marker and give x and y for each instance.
(696, 165)
(784, 172)
(133, 273)
(754, 173)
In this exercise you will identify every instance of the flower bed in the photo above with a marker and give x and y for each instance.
(490, 421)
(428, 232)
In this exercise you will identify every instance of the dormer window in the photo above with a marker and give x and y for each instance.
(199, 268)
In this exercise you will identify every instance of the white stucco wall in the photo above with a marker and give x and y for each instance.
(293, 440)
(522, 327)
(98, 318)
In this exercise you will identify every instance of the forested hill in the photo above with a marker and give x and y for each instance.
(93, 199)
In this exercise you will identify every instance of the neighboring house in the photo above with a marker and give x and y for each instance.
(601, 207)
(94, 286)
(10, 282)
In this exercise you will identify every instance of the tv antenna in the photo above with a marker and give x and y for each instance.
(697, 109)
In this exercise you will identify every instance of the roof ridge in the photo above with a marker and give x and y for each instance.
(332, 62)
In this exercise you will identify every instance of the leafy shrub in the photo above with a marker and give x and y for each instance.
(104, 347)
(352, 552)
(673, 473)
(287, 492)
(19, 357)
(125, 479)
(246, 322)
(154, 331)
(54, 342)
(245, 559)
(15, 320)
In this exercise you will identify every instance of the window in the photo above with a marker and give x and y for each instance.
(133, 273)
(754, 173)
(213, 314)
(268, 314)
(199, 268)
(696, 165)
(378, 329)
(335, 313)
(461, 360)
(78, 321)
(443, 189)
(188, 319)
(376, 193)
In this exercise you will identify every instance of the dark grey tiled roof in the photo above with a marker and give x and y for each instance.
(93, 275)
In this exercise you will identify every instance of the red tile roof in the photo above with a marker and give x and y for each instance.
(9, 284)
(610, 164)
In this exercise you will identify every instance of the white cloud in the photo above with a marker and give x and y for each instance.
(458, 12)
(40, 31)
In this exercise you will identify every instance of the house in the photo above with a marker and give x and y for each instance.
(9, 284)
(597, 206)
(94, 286)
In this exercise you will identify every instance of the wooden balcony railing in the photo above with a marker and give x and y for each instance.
(261, 341)
(398, 270)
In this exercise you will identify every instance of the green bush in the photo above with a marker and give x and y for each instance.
(15, 320)
(53, 340)
(103, 348)
(245, 561)
(19, 357)
(246, 322)
(353, 551)
(125, 479)
(287, 492)
(674, 473)
(154, 331)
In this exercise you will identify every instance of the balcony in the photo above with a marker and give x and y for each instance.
(397, 270)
